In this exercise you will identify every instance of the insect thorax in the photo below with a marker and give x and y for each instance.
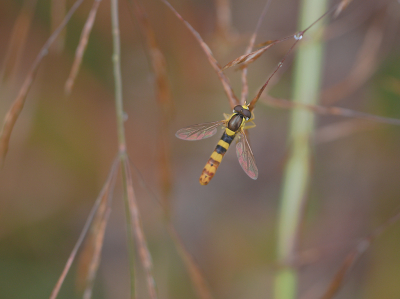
(235, 122)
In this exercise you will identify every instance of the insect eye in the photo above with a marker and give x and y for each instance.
(246, 113)
(237, 109)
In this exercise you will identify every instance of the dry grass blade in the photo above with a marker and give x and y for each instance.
(90, 255)
(250, 57)
(16, 107)
(286, 104)
(365, 65)
(352, 257)
(80, 50)
(245, 87)
(233, 100)
(163, 96)
(58, 9)
(18, 38)
(342, 5)
(329, 11)
(255, 99)
(298, 36)
(196, 276)
(157, 59)
(106, 190)
(254, 35)
(144, 253)
(267, 44)
(96, 254)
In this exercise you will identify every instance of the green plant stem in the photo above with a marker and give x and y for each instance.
(307, 75)
(116, 58)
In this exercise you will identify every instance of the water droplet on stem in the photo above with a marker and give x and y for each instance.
(298, 35)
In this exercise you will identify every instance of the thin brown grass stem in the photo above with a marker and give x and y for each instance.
(259, 22)
(163, 96)
(141, 243)
(80, 50)
(255, 99)
(95, 260)
(58, 9)
(324, 110)
(341, 6)
(353, 256)
(106, 189)
(298, 37)
(18, 38)
(246, 59)
(90, 256)
(130, 239)
(329, 11)
(245, 87)
(16, 107)
(156, 59)
(250, 57)
(233, 100)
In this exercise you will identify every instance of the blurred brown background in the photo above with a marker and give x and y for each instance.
(62, 149)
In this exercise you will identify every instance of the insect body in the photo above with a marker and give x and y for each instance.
(234, 127)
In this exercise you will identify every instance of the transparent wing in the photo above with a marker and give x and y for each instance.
(245, 156)
(199, 131)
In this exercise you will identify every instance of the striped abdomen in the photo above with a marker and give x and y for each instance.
(216, 157)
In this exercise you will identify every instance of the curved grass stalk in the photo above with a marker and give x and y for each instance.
(307, 79)
(116, 58)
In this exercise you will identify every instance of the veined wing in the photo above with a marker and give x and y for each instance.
(199, 131)
(245, 156)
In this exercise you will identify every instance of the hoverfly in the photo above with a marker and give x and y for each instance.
(235, 125)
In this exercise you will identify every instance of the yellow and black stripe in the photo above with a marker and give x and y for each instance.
(216, 157)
